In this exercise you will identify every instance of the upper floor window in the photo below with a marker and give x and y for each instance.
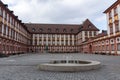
(90, 33)
(86, 33)
(110, 14)
(111, 29)
(80, 28)
(115, 10)
(116, 27)
(95, 33)
(89, 26)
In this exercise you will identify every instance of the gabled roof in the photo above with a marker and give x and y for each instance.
(112, 6)
(88, 26)
(60, 28)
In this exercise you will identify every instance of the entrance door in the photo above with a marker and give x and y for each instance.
(90, 49)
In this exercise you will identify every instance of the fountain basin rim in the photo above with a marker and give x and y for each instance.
(69, 66)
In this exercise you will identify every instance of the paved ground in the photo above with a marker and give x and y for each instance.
(24, 67)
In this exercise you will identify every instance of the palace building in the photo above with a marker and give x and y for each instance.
(60, 37)
(18, 37)
(107, 42)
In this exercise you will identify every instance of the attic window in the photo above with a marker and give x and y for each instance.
(89, 26)
(40, 29)
(64, 30)
(49, 30)
(57, 30)
(71, 30)
(33, 29)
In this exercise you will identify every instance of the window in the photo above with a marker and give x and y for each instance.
(115, 10)
(110, 14)
(0, 27)
(6, 30)
(95, 33)
(85, 33)
(117, 39)
(49, 30)
(112, 47)
(116, 28)
(107, 48)
(71, 30)
(64, 30)
(89, 26)
(33, 29)
(111, 40)
(4, 14)
(118, 48)
(40, 29)
(111, 29)
(107, 41)
(10, 19)
(90, 33)
(57, 30)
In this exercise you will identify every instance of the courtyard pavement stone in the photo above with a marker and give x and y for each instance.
(24, 67)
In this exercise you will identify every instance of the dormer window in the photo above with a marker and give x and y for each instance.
(40, 29)
(49, 30)
(71, 30)
(110, 14)
(115, 10)
(64, 30)
(57, 30)
(89, 26)
(33, 29)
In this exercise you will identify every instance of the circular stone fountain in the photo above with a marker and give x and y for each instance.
(69, 65)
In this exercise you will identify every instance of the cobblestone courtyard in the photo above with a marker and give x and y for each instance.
(24, 67)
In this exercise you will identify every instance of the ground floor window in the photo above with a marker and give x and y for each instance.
(112, 47)
(118, 47)
(107, 47)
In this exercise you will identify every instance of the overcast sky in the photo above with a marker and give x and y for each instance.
(61, 11)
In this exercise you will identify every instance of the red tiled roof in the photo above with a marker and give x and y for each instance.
(52, 28)
(59, 28)
(88, 26)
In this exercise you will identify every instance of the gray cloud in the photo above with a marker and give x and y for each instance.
(61, 11)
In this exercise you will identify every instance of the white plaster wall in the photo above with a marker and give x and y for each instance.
(73, 40)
